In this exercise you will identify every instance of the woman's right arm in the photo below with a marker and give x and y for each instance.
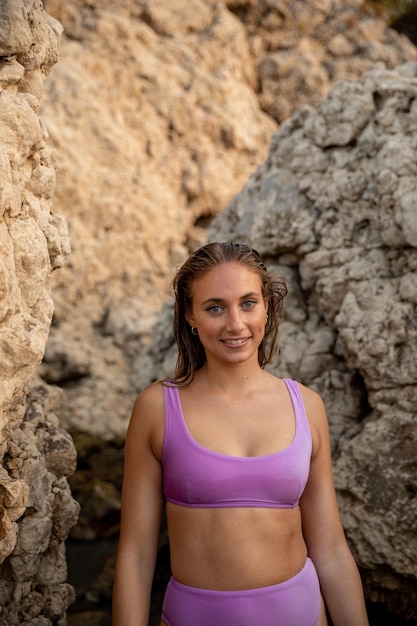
(142, 506)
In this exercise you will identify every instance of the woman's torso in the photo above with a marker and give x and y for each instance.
(242, 544)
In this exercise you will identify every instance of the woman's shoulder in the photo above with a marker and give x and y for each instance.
(149, 404)
(312, 399)
(152, 391)
(147, 419)
(316, 415)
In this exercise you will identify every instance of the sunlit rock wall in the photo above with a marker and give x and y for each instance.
(160, 111)
(36, 455)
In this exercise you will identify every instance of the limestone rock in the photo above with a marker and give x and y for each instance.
(36, 508)
(37, 495)
(303, 48)
(33, 241)
(328, 216)
(159, 124)
(337, 231)
(156, 123)
(159, 113)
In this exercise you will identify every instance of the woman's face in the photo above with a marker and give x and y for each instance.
(228, 310)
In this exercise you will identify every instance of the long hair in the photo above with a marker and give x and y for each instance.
(191, 354)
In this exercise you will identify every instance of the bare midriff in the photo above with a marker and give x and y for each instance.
(235, 547)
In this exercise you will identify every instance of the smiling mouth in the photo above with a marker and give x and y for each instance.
(235, 342)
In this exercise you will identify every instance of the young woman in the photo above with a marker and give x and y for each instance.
(241, 460)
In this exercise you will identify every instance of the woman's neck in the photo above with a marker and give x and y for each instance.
(232, 379)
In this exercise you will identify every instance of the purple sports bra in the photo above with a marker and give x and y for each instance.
(195, 476)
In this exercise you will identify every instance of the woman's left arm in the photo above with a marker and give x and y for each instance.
(339, 577)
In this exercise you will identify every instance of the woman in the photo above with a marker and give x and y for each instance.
(241, 460)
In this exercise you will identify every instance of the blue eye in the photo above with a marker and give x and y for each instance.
(214, 308)
(248, 304)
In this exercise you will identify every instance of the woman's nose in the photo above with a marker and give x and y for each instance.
(234, 320)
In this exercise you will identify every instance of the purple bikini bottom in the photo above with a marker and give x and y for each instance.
(294, 602)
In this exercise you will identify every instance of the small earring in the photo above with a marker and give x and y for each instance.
(266, 319)
(194, 330)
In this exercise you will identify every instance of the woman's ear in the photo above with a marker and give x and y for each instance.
(190, 319)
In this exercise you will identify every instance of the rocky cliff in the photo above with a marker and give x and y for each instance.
(334, 209)
(36, 506)
(161, 114)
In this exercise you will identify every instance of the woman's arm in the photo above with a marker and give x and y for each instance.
(326, 543)
(142, 506)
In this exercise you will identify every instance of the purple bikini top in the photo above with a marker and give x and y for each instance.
(195, 476)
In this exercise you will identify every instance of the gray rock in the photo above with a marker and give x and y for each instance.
(347, 231)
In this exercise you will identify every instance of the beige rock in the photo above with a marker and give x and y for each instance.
(35, 454)
(154, 110)
(13, 493)
(155, 114)
(157, 126)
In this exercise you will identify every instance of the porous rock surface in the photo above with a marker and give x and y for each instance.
(334, 209)
(36, 454)
(159, 112)
(180, 130)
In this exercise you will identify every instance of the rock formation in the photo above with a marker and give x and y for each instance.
(155, 112)
(334, 209)
(36, 506)
(159, 113)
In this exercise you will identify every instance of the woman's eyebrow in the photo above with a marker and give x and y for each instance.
(251, 294)
(212, 300)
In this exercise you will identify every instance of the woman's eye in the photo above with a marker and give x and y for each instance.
(215, 308)
(248, 304)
